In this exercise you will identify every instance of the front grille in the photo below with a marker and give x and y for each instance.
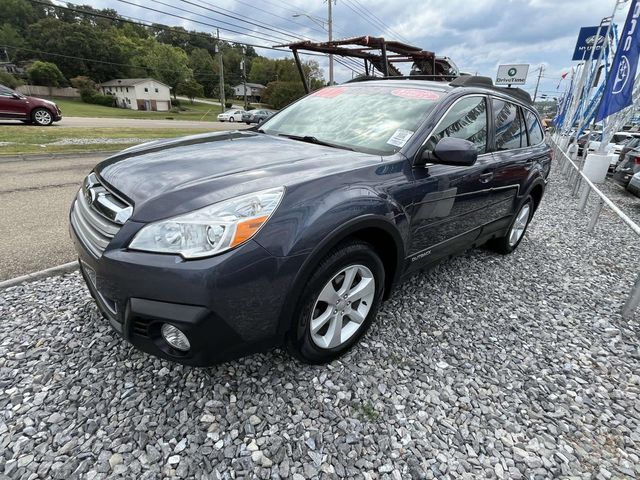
(97, 215)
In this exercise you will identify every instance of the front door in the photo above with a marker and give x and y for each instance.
(450, 202)
(10, 106)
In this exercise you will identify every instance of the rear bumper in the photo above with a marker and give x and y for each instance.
(228, 305)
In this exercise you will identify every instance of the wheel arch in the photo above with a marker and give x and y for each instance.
(378, 231)
(536, 191)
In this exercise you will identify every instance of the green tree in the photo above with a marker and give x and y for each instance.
(281, 94)
(45, 73)
(9, 39)
(78, 45)
(168, 64)
(263, 71)
(190, 89)
(18, 13)
(205, 69)
(9, 80)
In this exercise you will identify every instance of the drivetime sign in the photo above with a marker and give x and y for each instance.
(512, 74)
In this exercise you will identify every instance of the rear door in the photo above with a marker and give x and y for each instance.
(10, 106)
(512, 156)
(450, 201)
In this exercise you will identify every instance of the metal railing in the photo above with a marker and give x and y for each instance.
(576, 178)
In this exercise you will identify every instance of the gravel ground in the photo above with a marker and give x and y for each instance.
(488, 366)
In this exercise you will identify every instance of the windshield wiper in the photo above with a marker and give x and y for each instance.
(311, 139)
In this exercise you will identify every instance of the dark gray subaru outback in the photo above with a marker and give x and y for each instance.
(208, 247)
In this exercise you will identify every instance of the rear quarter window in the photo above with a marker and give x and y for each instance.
(533, 128)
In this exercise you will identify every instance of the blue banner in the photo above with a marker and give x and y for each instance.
(619, 88)
(586, 42)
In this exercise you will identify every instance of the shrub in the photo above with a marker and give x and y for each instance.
(98, 99)
(9, 80)
(175, 102)
(228, 104)
(45, 73)
(85, 85)
(250, 107)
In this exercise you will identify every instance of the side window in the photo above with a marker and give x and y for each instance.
(509, 133)
(5, 92)
(533, 127)
(467, 119)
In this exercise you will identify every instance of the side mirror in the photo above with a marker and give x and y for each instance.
(450, 151)
(17, 96)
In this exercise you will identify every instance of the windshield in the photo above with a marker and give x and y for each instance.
(375, 119)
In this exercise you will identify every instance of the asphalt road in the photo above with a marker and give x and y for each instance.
(35, 196)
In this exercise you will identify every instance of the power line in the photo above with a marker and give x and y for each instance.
(144, 23)
(364, 13)
(379, 20)
(197, 21)
(240, 17)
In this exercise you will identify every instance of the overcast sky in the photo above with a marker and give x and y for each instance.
(478, 35)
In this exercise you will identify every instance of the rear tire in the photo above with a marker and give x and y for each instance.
(231, 119)
(42, 117)
(517, 229)
(331, 316)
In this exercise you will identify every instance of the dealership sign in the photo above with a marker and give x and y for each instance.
(512, 74)
(587, 39)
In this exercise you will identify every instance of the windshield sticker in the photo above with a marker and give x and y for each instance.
(329, 92)
(400, 137)
(415, 94)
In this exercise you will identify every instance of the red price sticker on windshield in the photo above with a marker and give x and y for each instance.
(329, 92)
(415, 94)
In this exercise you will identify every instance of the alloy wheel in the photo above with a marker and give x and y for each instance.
(42, 117)
(342, 306)
(519, 225)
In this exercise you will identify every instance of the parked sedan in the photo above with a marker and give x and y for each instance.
(15, 106)
(627, 167)
(256, 116)
(233, 115)
(208, 247)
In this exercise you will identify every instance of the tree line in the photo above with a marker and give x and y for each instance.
(100, 45)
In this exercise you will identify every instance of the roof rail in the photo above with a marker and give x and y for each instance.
(363, 78)
(486, 82)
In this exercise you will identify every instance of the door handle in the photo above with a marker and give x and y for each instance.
(486, 177)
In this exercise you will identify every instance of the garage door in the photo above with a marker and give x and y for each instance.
(162, 106)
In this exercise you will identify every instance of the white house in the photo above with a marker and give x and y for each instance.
(139, 93)
(254, 91)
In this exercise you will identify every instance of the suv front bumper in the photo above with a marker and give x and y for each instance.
(227, 306)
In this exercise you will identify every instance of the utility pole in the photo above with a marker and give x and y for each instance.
(219, 51)
(244, 79)
(330, 30)
(540, 70)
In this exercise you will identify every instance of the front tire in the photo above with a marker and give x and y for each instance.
(339, 303)
(517, 229)
(231, 119)
(42, 117)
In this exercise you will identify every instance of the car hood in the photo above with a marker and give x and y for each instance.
(170, 177)
(40, 101)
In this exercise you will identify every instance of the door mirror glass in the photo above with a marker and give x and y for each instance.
(452, 151)
(16, 96)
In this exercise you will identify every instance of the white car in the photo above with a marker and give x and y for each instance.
(616, 144)
(233, 115)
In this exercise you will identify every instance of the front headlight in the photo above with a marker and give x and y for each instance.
(210, 230)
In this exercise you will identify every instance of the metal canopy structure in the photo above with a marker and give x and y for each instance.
(379, 56)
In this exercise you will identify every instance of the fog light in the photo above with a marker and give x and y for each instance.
(175, 337)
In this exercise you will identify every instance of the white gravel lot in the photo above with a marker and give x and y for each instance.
(486, 367)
